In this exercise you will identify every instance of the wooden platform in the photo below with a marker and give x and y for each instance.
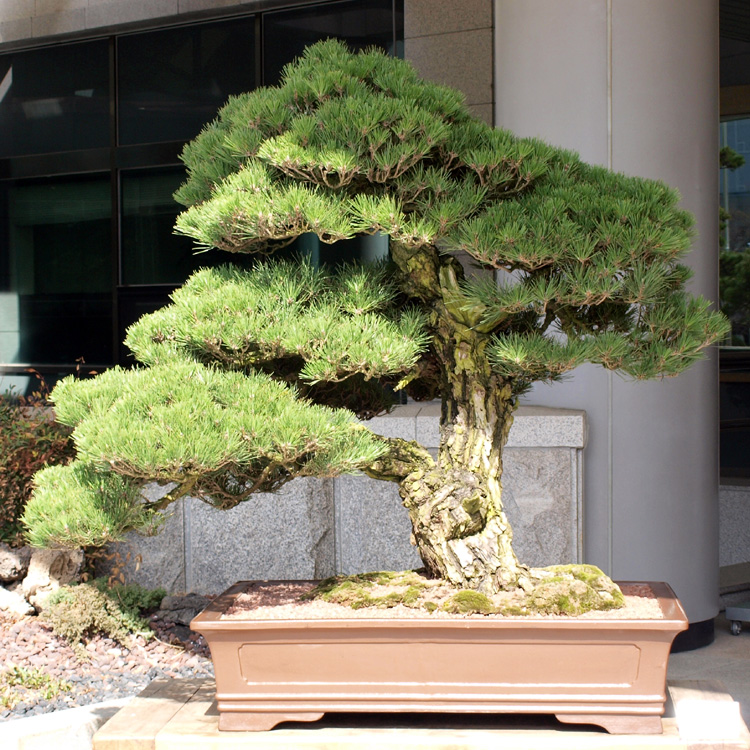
(182, 715)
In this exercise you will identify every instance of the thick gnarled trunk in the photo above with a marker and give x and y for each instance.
(454, 502)
(455, 505)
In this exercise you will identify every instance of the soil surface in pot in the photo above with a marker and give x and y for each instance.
(291, 600)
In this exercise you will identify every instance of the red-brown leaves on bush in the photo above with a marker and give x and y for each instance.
(29, 440)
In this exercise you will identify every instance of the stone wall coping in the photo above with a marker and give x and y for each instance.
(735, 485)
(533, 426)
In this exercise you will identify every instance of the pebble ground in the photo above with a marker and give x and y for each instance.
(111, 670)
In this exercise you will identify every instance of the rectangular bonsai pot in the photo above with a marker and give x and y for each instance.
(601, 671)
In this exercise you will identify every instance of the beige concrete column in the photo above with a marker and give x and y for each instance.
(632, 84)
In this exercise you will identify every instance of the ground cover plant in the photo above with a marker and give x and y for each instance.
(252, 378)
(19, 684)
(80, 611)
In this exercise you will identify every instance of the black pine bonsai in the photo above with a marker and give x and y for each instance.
(249, 379)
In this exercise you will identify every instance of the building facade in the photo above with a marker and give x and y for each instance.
(86, 171)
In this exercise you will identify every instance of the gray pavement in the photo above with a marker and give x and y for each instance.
(62, 730)
(726, 660)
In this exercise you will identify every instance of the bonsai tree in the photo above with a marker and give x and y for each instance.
(249, 379)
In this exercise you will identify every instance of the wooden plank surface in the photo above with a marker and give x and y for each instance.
(136, 725)
(707, 716)
(195, 727)
(182, 715)
(196, 724)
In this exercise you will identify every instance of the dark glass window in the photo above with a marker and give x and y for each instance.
(150, 252)
(366, 249)
(360, 23)
(734, 43)
(172, 82)
(54, 99)
(132, 303)
(734, 358)
(734, 404)
(91, 127)
(734, 240)
(56, 271)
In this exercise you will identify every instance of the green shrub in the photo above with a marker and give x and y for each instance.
(29, 440)
(132, 598)
(82, 611)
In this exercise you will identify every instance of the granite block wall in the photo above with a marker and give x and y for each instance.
(315, 528)
(734, 524)
(541, 486)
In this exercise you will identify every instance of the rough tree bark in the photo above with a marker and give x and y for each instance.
(455, 501)
(456, 509)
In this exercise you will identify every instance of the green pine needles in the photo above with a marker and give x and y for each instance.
(330, 326)
(251, 378)
(218, 435)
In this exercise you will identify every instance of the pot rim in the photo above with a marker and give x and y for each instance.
(674, 618)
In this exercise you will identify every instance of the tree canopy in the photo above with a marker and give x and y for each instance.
(250, 378)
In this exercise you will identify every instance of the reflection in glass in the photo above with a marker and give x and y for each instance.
(734, 295)
(363, 249)
(735, 227)
(360, 23)
(59, 289)
(54, 99)
(151, 253)
(133, 302)
(172, 82)
(734, 51)
(734, 408)
(55, 272)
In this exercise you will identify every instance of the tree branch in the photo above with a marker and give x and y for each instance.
(404, 457)
(179, 491)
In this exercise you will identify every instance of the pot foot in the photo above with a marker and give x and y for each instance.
(248, 721)
(615, 723)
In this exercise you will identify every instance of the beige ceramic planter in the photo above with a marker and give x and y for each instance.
(606, 672)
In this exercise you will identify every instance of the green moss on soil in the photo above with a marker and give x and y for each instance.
(572, 590)
(467, 602)
(559, 590)
(366, 589)
(514, 611)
